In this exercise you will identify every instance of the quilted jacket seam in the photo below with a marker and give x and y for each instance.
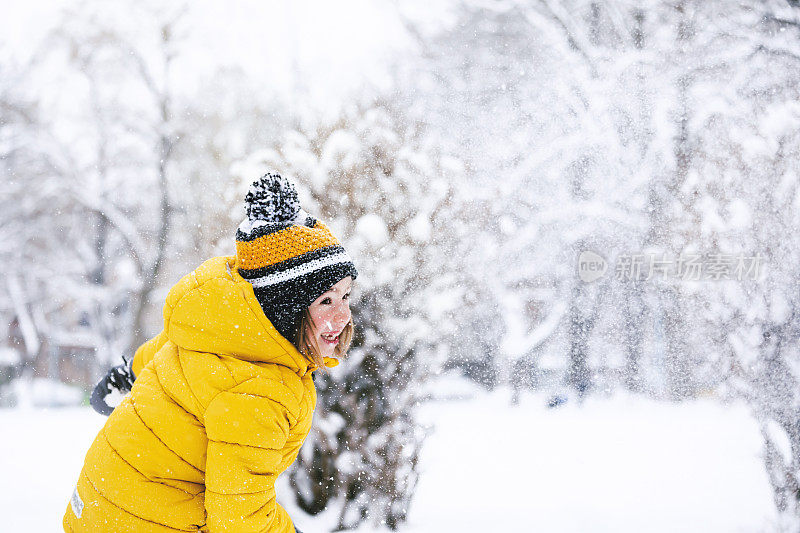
(240, 493)
(270, 398)
(198, 404)
(176, 454)
(245, 445)
(127, 511)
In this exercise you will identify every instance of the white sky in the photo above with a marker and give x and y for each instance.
(334, 46)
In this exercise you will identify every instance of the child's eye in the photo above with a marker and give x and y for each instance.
(327, 300)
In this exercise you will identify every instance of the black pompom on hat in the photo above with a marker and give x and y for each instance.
(272, 198)
(289, 257)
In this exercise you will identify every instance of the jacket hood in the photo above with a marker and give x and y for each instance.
(213, 309)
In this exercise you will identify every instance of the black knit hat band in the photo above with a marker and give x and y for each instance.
(285, 301)
(289, 257)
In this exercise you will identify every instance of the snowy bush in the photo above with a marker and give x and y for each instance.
(387, 196)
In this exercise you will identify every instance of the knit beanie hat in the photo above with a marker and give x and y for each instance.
(288, 256)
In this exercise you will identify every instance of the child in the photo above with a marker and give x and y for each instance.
(223, 396)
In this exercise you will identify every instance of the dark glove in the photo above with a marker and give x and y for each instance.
(119, 379)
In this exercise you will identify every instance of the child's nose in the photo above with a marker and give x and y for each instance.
(343, 313)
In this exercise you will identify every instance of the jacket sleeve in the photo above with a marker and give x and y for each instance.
(146, 351)
(247, 431)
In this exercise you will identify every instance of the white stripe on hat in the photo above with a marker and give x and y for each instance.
(300, 270)
(247, 226)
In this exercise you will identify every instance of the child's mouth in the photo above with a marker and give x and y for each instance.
(331, 339)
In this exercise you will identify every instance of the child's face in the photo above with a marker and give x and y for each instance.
(331, 313)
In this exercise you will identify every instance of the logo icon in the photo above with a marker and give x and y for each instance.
(591, 266)
(76, 503)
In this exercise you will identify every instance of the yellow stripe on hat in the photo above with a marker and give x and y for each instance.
(282, 245)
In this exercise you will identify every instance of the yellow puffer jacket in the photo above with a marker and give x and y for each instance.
(220, 406)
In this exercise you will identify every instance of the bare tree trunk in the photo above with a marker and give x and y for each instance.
(583, 310)
(775, 401)
(785, 484)
(634, 310)
(679, 371)
(100, 321)
(150, 277)
(663, 197)
(580, 326)
(634, 334)
(680, 384)
(165, 145)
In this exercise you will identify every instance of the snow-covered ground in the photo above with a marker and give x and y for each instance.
(611, 465)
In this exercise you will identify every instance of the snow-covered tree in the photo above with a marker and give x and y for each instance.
(746, 194)
(386, 193)
(540, 100)
(122, 176)
(100, 183)
(22, 164)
